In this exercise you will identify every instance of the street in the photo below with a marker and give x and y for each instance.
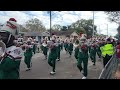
(65, 69)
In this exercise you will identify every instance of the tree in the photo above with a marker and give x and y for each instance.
(35, 25)
(23, 29)
(64, 28)
(118, 29)
(56, 27)
(118, 34)
(78, 30)
(85, 26)
(114, 16)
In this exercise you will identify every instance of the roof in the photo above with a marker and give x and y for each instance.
(37, 33)
(59, 33)
(46, 33)
(74, 34)
(33, 34)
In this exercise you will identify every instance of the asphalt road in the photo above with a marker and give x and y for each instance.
(65, 69)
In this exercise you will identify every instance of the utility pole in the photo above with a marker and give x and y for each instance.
(107, 29)
(93, 23)
(99, 29)
(50, 23)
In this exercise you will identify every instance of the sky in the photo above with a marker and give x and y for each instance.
(63, 18)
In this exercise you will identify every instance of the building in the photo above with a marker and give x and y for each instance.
(62, 34)
(37, 35)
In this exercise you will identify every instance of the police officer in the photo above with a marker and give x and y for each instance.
(107, 51)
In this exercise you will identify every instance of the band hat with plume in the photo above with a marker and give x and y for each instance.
(11, 27)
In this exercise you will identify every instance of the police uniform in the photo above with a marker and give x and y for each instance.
(107, 52)
(10, 62)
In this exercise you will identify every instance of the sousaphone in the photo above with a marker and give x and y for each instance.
(2, 49)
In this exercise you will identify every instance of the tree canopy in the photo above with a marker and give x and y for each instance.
(114, 16)
(35, 25)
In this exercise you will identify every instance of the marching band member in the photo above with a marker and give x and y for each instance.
(83, 58)
(52, 54)
(34, 47)
(76, 45)
(93, 52)
(10, 62)
(62, 43)
(38, 47)
(28, 55)
(45, 48)
(98, 49)
(58, 49)
(70, 47)
(66, 45)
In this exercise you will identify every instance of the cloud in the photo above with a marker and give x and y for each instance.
(19, 16)
(36, 13)
(62, 18)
